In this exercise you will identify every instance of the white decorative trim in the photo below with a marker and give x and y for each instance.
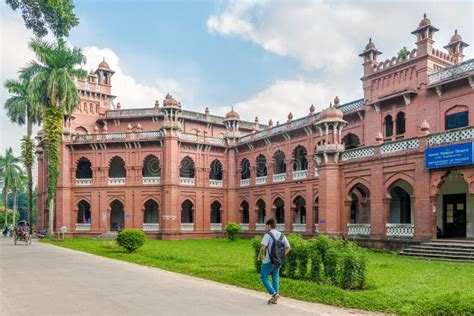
(83, 182)
(280, 227)
(397, 146)
(187, 226)
(244, 182)
(260, 227)
(261, 180)
(358, 229)
(244, 227)
(151, 226)
(151, 180)
(186, 181)
(216, 227)
(316, 228)
(300, 174)
(117, 181)
(279, 177)
(358, 153)
(215, 183)
(300, 228)
(83, 227)
(400, 230)
(451, 136)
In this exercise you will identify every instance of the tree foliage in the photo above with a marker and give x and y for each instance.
(42, 16)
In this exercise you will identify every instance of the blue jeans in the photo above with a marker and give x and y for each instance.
(274, 270)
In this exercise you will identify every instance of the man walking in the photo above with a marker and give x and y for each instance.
(275, 246)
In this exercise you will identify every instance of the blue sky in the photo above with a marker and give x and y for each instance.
(265, 58)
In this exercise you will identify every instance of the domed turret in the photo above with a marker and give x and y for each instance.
(170, 102)
(103, 65)
(332, 113)
(456, 47)
(290, 117)
(232, 115)
(311, 109)
(424, 22)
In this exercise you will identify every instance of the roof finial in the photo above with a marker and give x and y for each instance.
(424, 15)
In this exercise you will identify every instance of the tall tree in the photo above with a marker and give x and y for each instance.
(53, 86)
(11, 172)
(21, 108)
(40, 15)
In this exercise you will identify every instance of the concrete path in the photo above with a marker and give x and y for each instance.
(48, 280)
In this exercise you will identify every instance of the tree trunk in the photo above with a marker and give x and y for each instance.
(14, 207)
(29, 213)
(51, 217)
(5, 207)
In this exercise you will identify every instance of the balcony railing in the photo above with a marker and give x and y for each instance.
(151, 180)
(300, 174)
(117, 181)
(261, 180)
(186, 181)
(83, 182)
(215, 183)
(216, 227)
(151, 226)
(452, 72)
(358, 153)
(260, 227)
(400, 230)
(280, 227)
(330, 148)
(401, 145)
(299, 228)
(83, 227)
(358, 229)
(244, 182)
(316, 228)
(451, 136)
(244, 227)
(187, 226)
(279, 177)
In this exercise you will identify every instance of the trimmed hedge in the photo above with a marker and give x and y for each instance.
(323, 260)
(131, 239)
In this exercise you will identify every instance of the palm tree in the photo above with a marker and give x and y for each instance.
(11, 172)
(53, 87)
(22, 109)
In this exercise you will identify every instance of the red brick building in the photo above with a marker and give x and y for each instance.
(354, 169)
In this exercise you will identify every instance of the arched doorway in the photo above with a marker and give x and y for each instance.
(216, 213)
(83, 212)
(401, 203)
(187, 212)
(117, 216)
(151, 215)
(359, 197)
(279, 206)
(455, 208)
(84, 169)
(244, 212)
(300, 210)
(261, 212)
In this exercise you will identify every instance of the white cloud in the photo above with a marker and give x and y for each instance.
(327, 37)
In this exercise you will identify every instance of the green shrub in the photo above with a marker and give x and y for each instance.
(232, 231)
(354, 267)
(290, 268)
(316, 262)
(256, 245)
(131, 239)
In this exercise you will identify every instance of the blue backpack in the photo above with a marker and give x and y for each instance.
(277, 251)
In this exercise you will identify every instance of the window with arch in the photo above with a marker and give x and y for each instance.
(117, 168)
(151, 167)
(83, 212)
(351, 141)
(187, 169)
(216, 212)
(244, 216)
(400, 123)
(300, 210)
(456, 117)
(245, 169)
(279, 163)
(84, 169)
(261, 166)
(151, 215)
(388, 126)
(300, 160)
(316, 210)
(261, 212)
(117, 216)
(279, 210)
(187, 212)
(216, 170)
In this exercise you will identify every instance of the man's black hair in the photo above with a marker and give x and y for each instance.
(272, 222)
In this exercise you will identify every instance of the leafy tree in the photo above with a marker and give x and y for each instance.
(53, 87)
(11, 172)
(21, 109)
(40, 15)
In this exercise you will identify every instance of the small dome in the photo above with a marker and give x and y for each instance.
(332, 114)
(104, 65)
(311, 109)
(206, 110)
(336, 101)
(270, 122)
(232, 115)
(424, 22)
(157, 104)
(370, 45)
(379, 137)
(256, 119)
(170, 102)
(290, 116)
(456, 37)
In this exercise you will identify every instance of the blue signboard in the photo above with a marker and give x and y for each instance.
(449, 156)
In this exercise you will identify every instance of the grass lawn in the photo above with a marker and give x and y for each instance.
(395, 284)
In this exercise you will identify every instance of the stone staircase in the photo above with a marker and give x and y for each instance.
(107, 236)
(444, 249)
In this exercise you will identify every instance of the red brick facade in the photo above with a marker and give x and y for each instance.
(355, 169)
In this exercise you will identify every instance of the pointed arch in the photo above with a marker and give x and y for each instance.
(84, 168)
(215, 172)
(151, 166)
(187, 169)
(83, 212)
(300, 158)
(151, 212)
(216, 212)
(187, 212)
(117, 167)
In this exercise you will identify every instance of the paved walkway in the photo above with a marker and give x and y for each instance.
(48, 280)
